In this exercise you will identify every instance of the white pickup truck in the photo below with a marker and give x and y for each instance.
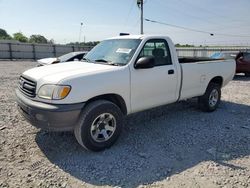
(120, 76)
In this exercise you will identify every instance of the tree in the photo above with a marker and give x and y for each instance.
(91, 43)
(38, 39)
(4, 35)
(185, 45)
(20, 37)
(51, 41)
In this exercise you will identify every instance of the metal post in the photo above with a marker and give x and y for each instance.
(10, 50)
(54, 50)
(34, 51)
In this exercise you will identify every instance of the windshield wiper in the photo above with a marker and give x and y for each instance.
(107, 62)
(101, 60)
(86, 59)
(115, 64)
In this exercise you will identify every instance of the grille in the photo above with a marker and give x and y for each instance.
(26, 86)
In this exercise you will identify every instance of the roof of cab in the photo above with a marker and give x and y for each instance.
(137, 36)
(128, 37)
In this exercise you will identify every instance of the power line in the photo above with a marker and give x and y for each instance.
(209, 11)
(180, 27)
(175, 10)
(202, 19)
(130, 10)
(134, 26)
(195, 30)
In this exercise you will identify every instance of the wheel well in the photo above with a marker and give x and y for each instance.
(217, 80)
(114, 98)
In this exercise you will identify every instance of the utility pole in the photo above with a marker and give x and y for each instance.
(142, 17)
(80, 33)
(140, 4)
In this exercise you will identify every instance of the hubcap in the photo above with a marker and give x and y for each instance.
(213, 98)
(103, 127)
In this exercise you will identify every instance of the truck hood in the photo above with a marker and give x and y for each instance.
(55, 73)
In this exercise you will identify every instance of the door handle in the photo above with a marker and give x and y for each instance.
(171, 71)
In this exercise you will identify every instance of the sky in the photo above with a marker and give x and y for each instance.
(61, 19)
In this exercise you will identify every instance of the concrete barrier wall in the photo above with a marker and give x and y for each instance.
(38, 51)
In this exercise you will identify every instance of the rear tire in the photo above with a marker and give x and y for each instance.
(99, 126)
(211, 99)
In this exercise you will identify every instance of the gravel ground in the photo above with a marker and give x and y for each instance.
(171, 146)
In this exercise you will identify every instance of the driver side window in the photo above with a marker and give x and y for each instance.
(158, 49)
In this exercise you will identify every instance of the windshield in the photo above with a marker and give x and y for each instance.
(65, 57)
(113, 51)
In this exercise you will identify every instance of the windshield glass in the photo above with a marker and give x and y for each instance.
(113, 51)
(65, 57)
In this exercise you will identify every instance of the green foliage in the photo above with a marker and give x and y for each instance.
(51, 41)
(38, 39)
(92, 43)
(4, 35)
(185, 45)
(20, 37)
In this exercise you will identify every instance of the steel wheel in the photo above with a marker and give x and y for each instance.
(99, 126)
(103, 127)
(213, 97)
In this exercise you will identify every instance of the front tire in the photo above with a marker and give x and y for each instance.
(100, 125)
(211, 99)
(247, 74)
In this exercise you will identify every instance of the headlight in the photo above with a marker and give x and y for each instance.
(56, 92)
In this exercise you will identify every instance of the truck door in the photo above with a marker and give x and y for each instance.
(154, 86)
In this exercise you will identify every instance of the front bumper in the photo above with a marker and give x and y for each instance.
(57, 117)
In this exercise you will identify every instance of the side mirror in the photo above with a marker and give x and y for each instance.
(145, 63)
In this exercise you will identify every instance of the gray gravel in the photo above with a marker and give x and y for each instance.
(171, 146)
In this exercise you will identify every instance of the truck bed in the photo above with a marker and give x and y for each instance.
(196, 75)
